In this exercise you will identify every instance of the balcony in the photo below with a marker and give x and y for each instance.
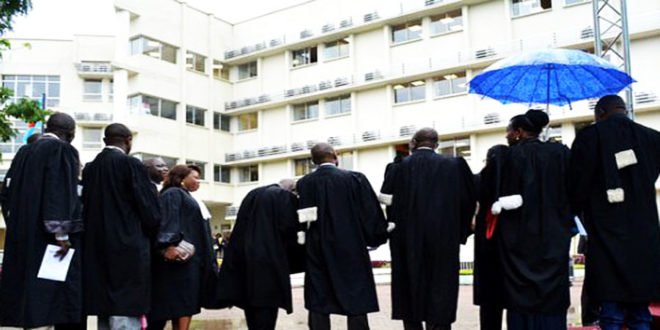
(93, 118)
(427, 66)
(490, 117)
(94, 69)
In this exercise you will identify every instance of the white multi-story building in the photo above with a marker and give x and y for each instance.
(246, 100)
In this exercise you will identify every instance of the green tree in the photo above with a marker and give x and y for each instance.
(25, 109)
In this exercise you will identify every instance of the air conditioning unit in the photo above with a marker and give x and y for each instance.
(260, 46)
(645, 97)
(327, 28)
(306, 34)
(264, 98)
(245, 50)
(334, 141)
(311, 143)
(492, 118)
(325, 85)
(346, 23)
(100, 116)
(369, 136)
(298, 146)
(240, 103)
(289, 93)
(275, 42)
(278, 150)
(249, 154)
(230, 157)
(407, 130)
(308, 89)
(371, 17)
(484, 53)
(233, 104)
(83, 116)
(230, 54)
(432, 2)
(372, 75)
(251, 101)
(587, 33)
(263, 151)
(341, 82)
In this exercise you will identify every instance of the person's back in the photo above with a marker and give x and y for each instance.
(120, 211)
(255, 277)
(614, 167)
(41, 207)
(433, 201)
(344, 219)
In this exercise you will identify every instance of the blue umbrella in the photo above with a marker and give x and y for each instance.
(551, 76)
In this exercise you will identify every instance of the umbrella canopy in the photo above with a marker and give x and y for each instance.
(551, 76)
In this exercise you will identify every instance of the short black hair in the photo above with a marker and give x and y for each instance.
(322, 152)
(116, 133)
(426, 135)
(60, 122)
(608, 103)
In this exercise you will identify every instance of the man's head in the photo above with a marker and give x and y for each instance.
(157, 169)
(118, 135)
(323, 153)
(609, 105)
(61, 125)
(288, 184)
(425, 137)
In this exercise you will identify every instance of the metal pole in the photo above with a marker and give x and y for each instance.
(626, 56)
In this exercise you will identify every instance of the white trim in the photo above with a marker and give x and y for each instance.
(615, 195)
(625, 158)
(385, 199)
(309, 214)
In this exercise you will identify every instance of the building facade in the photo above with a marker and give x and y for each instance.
(246, 100)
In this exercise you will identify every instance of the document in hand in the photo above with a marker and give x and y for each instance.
(52, 268)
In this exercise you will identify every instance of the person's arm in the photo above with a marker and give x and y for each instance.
(169, 233)
(145, 196)
(581, 171)
(372, 219)
(60, 200)
(468, 199)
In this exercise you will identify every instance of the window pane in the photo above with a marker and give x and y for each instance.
(92, 137)
(399, 34)
(216, 120)
(168, 109)
(441, 87)
(224, 123)
(332, 107)
(200, 63)
(168, 54)
(303, 166)
(247, 121)
(92, 90)
(38, 88)
(225, 175)
(152, 103)
(53, 89)
(459, 85)
(401, 95)
(200, 115)
(313, 110)
(418, 92)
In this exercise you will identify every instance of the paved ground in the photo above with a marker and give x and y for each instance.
(468, 314)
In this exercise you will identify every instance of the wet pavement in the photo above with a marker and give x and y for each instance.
(467, 316)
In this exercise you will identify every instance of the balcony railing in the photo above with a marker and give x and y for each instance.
(100, 117)
(444, 61)
(492, 114)
(94, 68)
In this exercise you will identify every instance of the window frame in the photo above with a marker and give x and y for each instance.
(253, 175)
(303, 166)
(193, 61)
(341, 50)
(93, 96)
(410, 88)
(309, 56)
(193, 115)
(410, 35)
(221, 122)
(250, 69)
(309, 112)
(51, 85)
(94, 143)
(453, 80)
(456, 17)
(139, 45)
(148, 110)
(219, 174)
(249, 127)
(341, 105)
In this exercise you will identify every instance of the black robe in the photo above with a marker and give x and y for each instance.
(121, 213)
(433, 201)
(39, 199)
(534, 240)
(338, 278)
(623, 261)
(263, 251)
(487, 287)
(180, 288)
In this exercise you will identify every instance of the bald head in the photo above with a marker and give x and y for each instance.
(61, 125)
(157, 169)
(288, 184)
(323, 153)
(118, 135)
(425, 137)
(609, 105)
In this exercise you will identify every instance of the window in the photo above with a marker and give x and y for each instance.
(171, 162)
(145, 104)
(345, 160)
(303, 166)
(153, 48)
(201, 166)
(451, 21)
(338, 105)
(220, 71)
(93, 90)
(33, 87)
(406, 32)
(574, 2)
(303, 56)
(247, 70)
(247, 121)
(111, 90)
(450, 84)
(92, 138)
(195, 62)
(221, 174)
(336, 49)
(304, 111)
(13, 144)
(524, 7)
(411, 91)
(195, 115)
(248, 173)
(458, 147)
(221, 122)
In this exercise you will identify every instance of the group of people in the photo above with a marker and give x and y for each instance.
(144, 250)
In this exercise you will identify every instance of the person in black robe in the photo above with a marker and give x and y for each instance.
(41, 207)
(342, 217)
(183, 280)
(614, 166)
(157, 170)
(263, 252)
(487, 288)
(534, 226)
(121, 213)
(432, 204)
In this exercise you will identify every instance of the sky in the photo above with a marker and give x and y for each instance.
(63, 18)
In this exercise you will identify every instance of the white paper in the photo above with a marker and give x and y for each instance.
(52, 268)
